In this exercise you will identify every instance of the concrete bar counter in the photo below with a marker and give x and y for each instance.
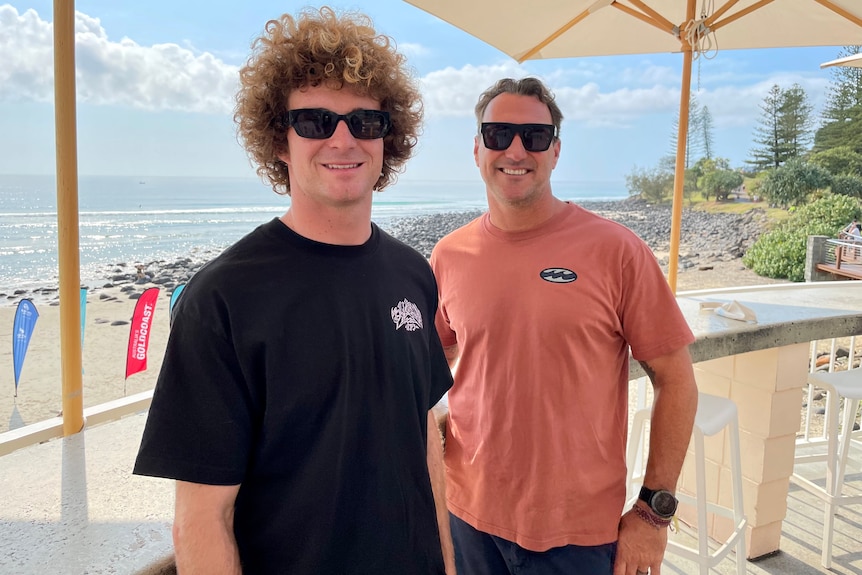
(762, 367)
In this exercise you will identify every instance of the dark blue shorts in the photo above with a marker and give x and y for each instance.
(478, 553)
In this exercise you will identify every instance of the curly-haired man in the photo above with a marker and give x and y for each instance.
(293, 405)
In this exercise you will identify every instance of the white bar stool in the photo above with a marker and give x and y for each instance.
(837, 384)
(713, 414)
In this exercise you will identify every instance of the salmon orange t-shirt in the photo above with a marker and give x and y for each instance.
(543, 319)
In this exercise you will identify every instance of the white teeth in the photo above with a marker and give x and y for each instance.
(511, 172)
(341, 166)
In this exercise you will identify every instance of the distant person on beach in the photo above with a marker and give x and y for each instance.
(294, 403)
(540, 300)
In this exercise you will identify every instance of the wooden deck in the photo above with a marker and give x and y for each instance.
(845, 259)
(851, 271)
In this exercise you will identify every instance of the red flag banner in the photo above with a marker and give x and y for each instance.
(139, 334)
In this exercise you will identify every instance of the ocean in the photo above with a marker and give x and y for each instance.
(142, 219)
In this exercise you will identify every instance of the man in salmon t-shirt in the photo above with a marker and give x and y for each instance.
(540, 301)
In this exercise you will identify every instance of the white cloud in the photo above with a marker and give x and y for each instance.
(739, 105)
(650, 74)
(453, 92)
(412, 49)
(180, 77)
(584, 94)
(589, 104)
(158, 77)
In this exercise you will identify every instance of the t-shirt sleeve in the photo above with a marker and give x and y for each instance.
(441, 320)
(200, 424)
(652, 322)
(441, 375)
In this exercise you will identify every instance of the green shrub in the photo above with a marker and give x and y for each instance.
(847, 185)
(780, 253)
(791, 183)
(719, 183)
(838, 161)
(654, 185)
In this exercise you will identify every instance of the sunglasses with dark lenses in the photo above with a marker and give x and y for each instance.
(535, 137)
(320, 123)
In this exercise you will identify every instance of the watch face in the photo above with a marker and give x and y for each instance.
(663, 503)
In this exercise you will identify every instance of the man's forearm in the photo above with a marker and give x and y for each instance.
(438, 487)
(204, 541)
(672, 419)
(205, 549)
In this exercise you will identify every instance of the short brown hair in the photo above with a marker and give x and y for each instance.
(523, 87)
(320, 47)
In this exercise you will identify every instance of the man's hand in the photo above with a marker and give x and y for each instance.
(640, 546)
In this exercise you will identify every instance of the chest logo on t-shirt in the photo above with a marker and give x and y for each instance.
(558, 275)
(407, 315)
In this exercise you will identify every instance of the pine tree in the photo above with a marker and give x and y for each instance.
(842, 114)
(795, 122)
(767, 134)
(707, 140)
(695, 132)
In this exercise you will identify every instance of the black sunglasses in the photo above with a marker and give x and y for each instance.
(535, 137)
(320, 123)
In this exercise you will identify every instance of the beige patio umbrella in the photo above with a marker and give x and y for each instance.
(854, 61)
(541, 29)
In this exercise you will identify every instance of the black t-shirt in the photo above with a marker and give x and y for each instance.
(304, 372)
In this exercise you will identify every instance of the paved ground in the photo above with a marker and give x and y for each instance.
(72, 507)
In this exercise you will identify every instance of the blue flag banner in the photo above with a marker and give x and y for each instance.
(175, 295)
(83, 313)
(22, 328)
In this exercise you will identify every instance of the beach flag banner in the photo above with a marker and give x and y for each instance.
(83, 321)
(83, 313)
(22, 328)
(174, 297)
(139, 333)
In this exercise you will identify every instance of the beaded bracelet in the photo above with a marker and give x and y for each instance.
(650, 518)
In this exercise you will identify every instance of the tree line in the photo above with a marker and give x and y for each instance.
(793, 154)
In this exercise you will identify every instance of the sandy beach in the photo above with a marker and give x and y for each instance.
(104, 357)
(105, 344)
(710, 257)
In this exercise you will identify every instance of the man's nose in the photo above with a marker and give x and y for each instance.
(342, 135)
(516, 149)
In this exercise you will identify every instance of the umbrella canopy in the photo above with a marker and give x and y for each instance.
(854, 61)
(543, 29)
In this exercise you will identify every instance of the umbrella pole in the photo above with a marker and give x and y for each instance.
(679, 170)
(67, 215)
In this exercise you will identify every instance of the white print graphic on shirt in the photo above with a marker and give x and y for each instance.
(407, 315)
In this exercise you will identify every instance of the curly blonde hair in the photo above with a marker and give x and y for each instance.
(321, 47)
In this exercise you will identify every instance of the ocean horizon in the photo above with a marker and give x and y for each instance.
(126, 219)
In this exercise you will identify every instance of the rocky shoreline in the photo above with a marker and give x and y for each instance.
(706, 239)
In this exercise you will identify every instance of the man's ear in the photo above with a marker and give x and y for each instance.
(284, 156)
(476, 149)
(557, 144)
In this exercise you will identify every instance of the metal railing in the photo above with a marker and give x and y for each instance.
(846, 249)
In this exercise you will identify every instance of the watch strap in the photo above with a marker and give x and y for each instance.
(646, 495)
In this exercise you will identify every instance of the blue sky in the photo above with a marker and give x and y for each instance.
(156, 81)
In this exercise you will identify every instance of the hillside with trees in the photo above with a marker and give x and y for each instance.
(804, 165)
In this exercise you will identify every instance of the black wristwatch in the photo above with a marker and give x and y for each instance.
(661, 501)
